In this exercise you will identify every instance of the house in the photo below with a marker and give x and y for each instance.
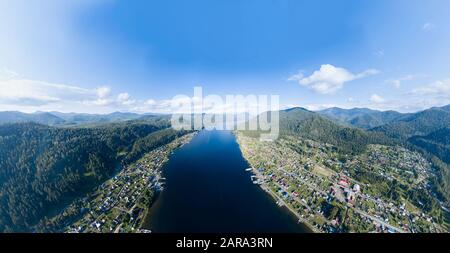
(344, 182)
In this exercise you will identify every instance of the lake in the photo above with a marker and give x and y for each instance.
(208, 191)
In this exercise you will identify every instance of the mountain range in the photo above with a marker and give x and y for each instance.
(44, 163)
(392, 123)
(428, 129)
(362, 117)
(352, 130)
(67, 119)
(43, 168)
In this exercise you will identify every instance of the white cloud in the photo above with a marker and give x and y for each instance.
(409, 104)
(28, 95)
(428, 27)
(435, 94)
(23, 94)
(398, 82)
(6, 74)
(296, 77)
(150, 102)
(375, 98)
(32, 92)
(329, 78)
(98, 102)
(102, 97)
(441, 88)
(125, 99)
(421, 98)
(103, 91)
(319, 107)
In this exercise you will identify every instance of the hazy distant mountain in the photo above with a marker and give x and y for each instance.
(19, 117)
(420, 123)
(444, 108)
(393, 124)
(153, 116)
(346, 114)
(58, 118)
(362, 117)
(84, 118)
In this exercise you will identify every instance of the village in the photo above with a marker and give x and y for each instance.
(120, 204)
(322, 189)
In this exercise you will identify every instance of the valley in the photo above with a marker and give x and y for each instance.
(103, 173)
(120, 204)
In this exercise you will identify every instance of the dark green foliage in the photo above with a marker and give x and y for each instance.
(422, 199)
(43, 168)
(151, 142)
(437, 143)
(421, 123)
(375, 119)
(433, 122)
(333, 210)
(361, 117)
(428, 132)
(313, 126)
(441, 181)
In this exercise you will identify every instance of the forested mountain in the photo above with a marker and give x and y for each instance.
(43, 168)
(428, 131)
(437, 143)
(41, 118)
(350, 140)
(362, 117)
(311, 125)
(71, 119)
(84, 118)
(420, 123)
(392, 123)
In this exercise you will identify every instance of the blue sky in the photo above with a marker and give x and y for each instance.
(104, 55)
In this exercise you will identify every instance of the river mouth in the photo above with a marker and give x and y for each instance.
(207, 190)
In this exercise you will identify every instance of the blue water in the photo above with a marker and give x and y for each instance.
(208, 191)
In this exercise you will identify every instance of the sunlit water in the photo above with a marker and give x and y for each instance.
(208, 190)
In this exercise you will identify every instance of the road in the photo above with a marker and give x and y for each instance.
(352, 207)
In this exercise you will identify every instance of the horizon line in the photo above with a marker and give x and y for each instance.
(170, 113)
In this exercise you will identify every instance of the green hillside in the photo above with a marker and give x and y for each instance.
(43, 168)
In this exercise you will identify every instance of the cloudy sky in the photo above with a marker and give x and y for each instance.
(108, 55)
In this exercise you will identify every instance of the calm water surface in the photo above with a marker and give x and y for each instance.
(208, 190)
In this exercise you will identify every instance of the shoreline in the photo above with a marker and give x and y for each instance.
(147, 212)
(273, 195)
(278, 199)
(121, 203)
